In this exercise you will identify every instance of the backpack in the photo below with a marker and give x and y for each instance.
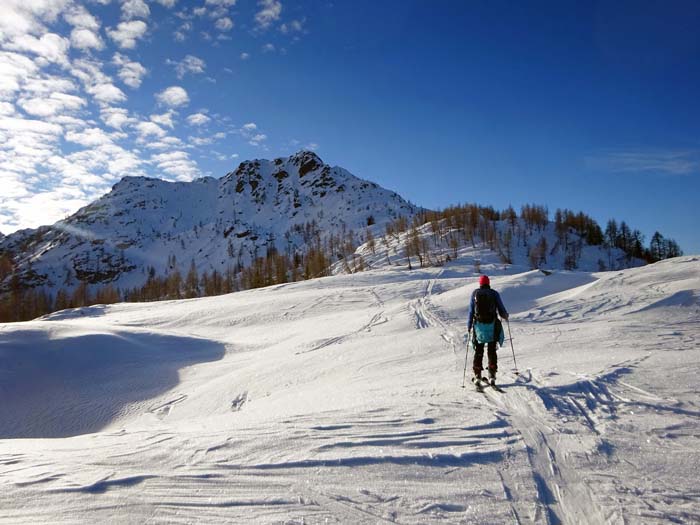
(484, 306)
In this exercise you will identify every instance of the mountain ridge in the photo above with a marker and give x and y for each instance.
(282, 204)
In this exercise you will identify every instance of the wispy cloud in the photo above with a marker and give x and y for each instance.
(190, 64)
(131, 73)
(224, 24)
(270, 11)
(197, 119)
(664, 162)
(135, 9)
(294, 26)
(225, 3)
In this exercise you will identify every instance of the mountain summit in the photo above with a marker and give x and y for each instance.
(145, 226)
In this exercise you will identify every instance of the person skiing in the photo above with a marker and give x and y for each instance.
(485, 303)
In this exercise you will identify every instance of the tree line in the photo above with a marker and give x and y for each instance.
(449, 229)
(21, 302)
(504, 230)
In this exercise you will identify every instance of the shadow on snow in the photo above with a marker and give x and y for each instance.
(55, 387)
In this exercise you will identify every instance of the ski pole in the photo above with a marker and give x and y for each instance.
(510, 337)
(466, 359)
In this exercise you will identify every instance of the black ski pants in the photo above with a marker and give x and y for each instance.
(479, 358)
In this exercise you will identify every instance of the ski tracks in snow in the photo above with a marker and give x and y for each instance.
(563, 495)
(426, 316)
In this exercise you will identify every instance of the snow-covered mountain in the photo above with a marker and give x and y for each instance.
(339, 400)
(149, 223)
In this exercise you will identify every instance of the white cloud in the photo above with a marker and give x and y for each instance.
(268, 48)
(68, 122)
(18, 125)
(197, 119)
(106, 93)
(47, 84)
(89, 72)
(38, 209)
(82, 38)
(149, 129)
(23, 17)
(270, 11)
(135, 9)
(49, 48)
(224, 24)
(666, 162)
(78, 16)
(25, 146)
(200, 141)
(131, 73)
(177, 163)
(173, 96)
(295, 26)
(115, 117)
(224, 3)
(256, 140)
(14, 70)
(127, 33)
(165, 143)
(189, 64)
(89, 138)
(251, 133)
(245, 56)
(181, 33)
(52, 105)
(164, 119)
(167, 3)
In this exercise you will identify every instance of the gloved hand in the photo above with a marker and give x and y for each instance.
(466, 337)
(505, 317)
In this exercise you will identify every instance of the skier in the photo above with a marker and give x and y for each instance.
(485, 303)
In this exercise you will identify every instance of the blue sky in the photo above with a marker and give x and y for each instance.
(585, 105)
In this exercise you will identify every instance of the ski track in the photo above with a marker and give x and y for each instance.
(545, 451)
(554, 484)
(564, 495)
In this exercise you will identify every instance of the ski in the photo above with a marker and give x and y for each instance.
(477, 384)
(497, 388)
(486, 383)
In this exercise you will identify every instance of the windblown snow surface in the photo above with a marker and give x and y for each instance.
(339, 400)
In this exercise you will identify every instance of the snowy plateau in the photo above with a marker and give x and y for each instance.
(340, 400)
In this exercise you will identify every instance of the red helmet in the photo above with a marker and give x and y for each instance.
(484, 279)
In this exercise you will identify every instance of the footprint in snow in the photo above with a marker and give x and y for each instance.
(239, 401)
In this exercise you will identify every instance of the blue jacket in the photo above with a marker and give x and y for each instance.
(472, 306)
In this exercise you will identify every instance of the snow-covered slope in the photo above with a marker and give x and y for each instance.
(218, 223)
(388, 250)
(339, 400)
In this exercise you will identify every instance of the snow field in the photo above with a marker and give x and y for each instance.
(339, 400)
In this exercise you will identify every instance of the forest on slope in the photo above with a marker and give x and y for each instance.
(571, 241)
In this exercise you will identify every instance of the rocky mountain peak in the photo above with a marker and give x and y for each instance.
(147, 225)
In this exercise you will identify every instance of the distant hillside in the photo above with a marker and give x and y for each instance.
(529, 240)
